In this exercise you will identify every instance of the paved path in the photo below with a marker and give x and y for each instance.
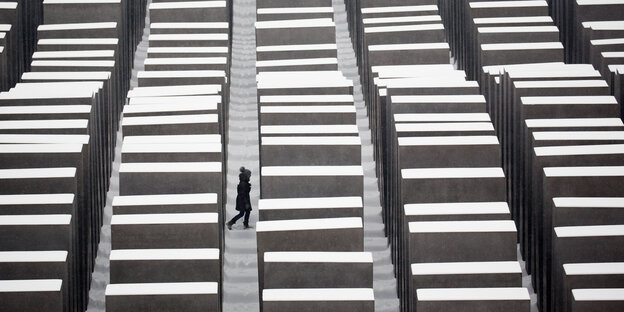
(101, 272)
(240, 263)
(384, 282)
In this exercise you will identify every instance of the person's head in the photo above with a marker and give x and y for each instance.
(245, 174)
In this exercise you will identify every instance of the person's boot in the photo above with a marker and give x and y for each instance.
(229, 225)
(246, 225)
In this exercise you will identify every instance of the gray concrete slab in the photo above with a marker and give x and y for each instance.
(30, 204)
(32, 295)
(353, 299)
(460, 151)
(170, 178)
(459, 299)
(182, 77)
(296, 51)
(587, 238)
(303, 31)
(171, 125)
(597, 299)
(307, 115)
(590, 275)
(198, 152)
(309, 208)
(465, 211)
(459, 185)
(318, 270)
(155, 231)
(307, 181)
(311, 151)
(167, 203)
(456, 241)
(202, 296)
(309, 130)
(164, 265)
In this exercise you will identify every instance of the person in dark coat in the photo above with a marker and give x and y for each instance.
(243, 203)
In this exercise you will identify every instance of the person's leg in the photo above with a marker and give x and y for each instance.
(236, 217)
(246, 222)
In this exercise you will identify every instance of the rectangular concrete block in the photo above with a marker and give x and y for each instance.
(459, 299)
(170, 230)
(170, 178)
(31, 295)
(430, 185)
(460, 151)
(440, 117)
(438, 104)
(455, 131)
(78, 30)
(166, 203)
(195, 296)
(36, 232)
(171, 107)
(419, 53)
(210, 100)
(404, 34)
(181, 77)
(309, 208)
(30, 204)
(318, 299)
(451, 241)
(185, 63)
(289, 32)
(92, 55)
(463, 275)
(466, 274)
(188, 41)
(606, 300)
(164, 265)
(38, 180)
(209, 152)
(33, 265)
(191, 90)
(519, 53)
(318, 270)
(296, 51)
(183, 138)
(310, 151)
(307, 115)
(189, 11)
(424, 18)
(294, 3)
(171, 125)
(311, 181)
(312, 64)
(164, 52)
(285, 13)
(590, 275)
(304, 100)
(459, 211)
(309, 130)
(189, 28)
(303, 83)
(568, 211)
(327, 234)
(36, 112)
(422, 86)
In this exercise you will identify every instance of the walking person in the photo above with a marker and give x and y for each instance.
(243, 203)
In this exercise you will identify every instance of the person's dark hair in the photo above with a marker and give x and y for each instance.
(244, 174)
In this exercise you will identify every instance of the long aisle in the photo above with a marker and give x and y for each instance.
(101, 276)
(375, 241)
(240, 263)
